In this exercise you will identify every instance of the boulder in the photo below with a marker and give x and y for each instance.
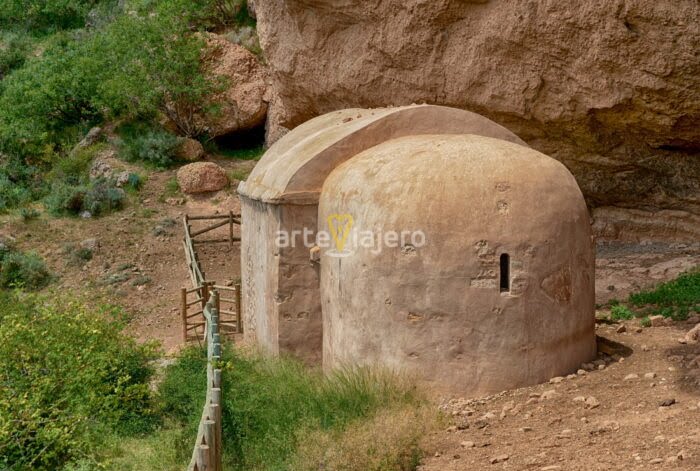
(242, 105)
(613, 93)
(90, 138)
(190, 150)
(693, 335)
(201, 177)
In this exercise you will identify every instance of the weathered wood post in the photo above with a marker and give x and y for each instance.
(230, 229)
(239, 324)
(183, 312)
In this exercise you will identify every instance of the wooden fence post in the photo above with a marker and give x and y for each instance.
(239, 325)
(183, 313)
(230, 229)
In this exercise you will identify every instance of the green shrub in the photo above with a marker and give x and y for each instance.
(645, 321)
(29, 214)
(620, 312)
(69, 377)
(14, 49)
(64, 199)
(23, 270)
(19, 183)
(76, 255)
(156, 147)
(103, 198)
(46, 14)
(98, 198)
(675, 299)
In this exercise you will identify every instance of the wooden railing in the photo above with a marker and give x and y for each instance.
(207, 452)
(201, 307)
(193, 300)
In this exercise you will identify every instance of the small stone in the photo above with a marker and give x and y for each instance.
(657, 321)
(553, 467)
(550, 394)
(591, 402)
(601, 367)
(621, 329)
(588, 366)
(565, 434)
(631, 376)
(582, 372)
(645, 348)
(656, 461)
(499, 459)
(467, 444)
(571, 376)
(667, 402)
(638, 330)
(556, 380)
(580, 399)
(526, 429)
(649, 375)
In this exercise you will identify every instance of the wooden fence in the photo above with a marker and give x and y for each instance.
(193, 300)
(201, 307)
(206, 455)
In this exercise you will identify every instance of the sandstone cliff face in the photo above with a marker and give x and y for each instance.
(609, 87)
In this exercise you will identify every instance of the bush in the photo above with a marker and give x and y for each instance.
(22, 270)
(675, 299)
(620, 312)
(103, 198)
(64, 199)
(69, 376)
(140, 143)
(18, 183)
(29, 214)
(14, 49)
(98, 198)
(46, 14)
(76, 255)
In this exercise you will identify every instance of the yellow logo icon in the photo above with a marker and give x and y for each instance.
(340, 226)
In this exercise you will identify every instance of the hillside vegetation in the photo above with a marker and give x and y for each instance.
(68, 65)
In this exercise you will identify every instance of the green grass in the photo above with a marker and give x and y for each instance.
(620, 312)
(237, 174)
(676, 299)
(253, 153)
(272, 406)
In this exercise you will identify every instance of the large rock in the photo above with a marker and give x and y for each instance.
(613, 91)
(243, 103)
(201, 177)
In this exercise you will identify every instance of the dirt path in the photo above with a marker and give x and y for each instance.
(609, 419)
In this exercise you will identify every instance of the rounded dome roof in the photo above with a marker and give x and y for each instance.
(457, 182)
(295, 167)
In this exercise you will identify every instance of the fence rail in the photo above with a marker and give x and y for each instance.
(206, 455)
(193, 300)
(201, 307)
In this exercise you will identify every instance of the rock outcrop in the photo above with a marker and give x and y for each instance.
(610, 89)
(242, 104)
(201, 177)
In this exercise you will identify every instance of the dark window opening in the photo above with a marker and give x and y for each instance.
(505, 272)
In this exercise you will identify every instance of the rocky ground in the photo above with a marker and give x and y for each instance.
(636, 409)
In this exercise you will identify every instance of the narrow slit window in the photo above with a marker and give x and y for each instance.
(505, 272)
